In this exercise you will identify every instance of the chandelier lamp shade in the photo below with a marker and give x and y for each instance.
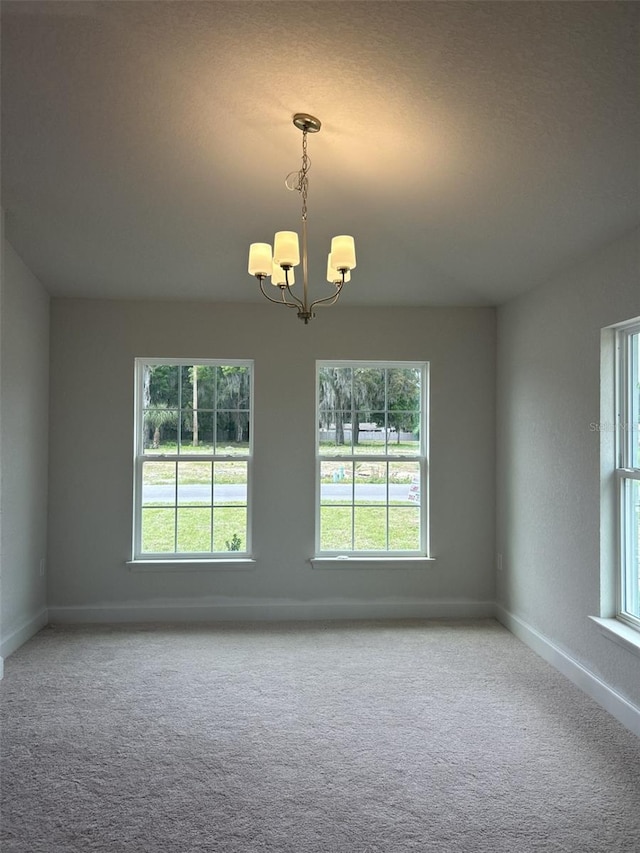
(278, 262)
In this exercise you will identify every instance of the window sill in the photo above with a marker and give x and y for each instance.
(371, 562)
(618, 632)
(243, 564)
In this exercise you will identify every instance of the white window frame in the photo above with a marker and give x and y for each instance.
(363, 557)
(145, 557)
(627, 416)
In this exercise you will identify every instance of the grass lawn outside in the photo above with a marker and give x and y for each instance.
(193, 529)
(194, 472)
(370, 448)
(204, 448)
(197, 529)
(364, 528)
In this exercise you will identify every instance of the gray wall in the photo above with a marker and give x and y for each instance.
(549, 480)
(24, 389)
(92, 357)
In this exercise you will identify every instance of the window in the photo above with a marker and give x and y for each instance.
(371, 466)
(628, 473)
(192, 459)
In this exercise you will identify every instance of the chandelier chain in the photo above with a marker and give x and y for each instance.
(304, 180)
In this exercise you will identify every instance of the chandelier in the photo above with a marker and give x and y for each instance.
(279, 264)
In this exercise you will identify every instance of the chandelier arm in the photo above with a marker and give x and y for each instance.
(328, 300)
(298, 302)
(282, 301)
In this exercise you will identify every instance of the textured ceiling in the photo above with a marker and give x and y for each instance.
(473, 149)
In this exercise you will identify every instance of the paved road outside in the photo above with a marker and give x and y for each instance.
(238, 492)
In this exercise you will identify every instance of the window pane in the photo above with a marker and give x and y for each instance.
(196, 432)
(232, 432)
(370, 528)
(342, 432)
(404, 483)
(371, 482)
(230, 483)
(631, 548)
(158, 530)
(197, 386)
(404, 528)
(370, 435)
(335, 388)
(230, 528)
(161, 386)
(194, 483)
(336, 482)
(160, 430)
(335, 528)
(194, 529)
(186, 386)
(159, 483)
(369, 388)
(403, 389)
(326, 421)
(404, 434)
(335, 433)
(232, 387)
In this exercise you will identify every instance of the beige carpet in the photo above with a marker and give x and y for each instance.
(307, 738)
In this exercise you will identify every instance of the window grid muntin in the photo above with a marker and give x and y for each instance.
(141, 458)
(628, 459)
(354, 457)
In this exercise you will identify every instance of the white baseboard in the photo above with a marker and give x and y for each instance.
(20, 635)
(262, 611)
(619, 707)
